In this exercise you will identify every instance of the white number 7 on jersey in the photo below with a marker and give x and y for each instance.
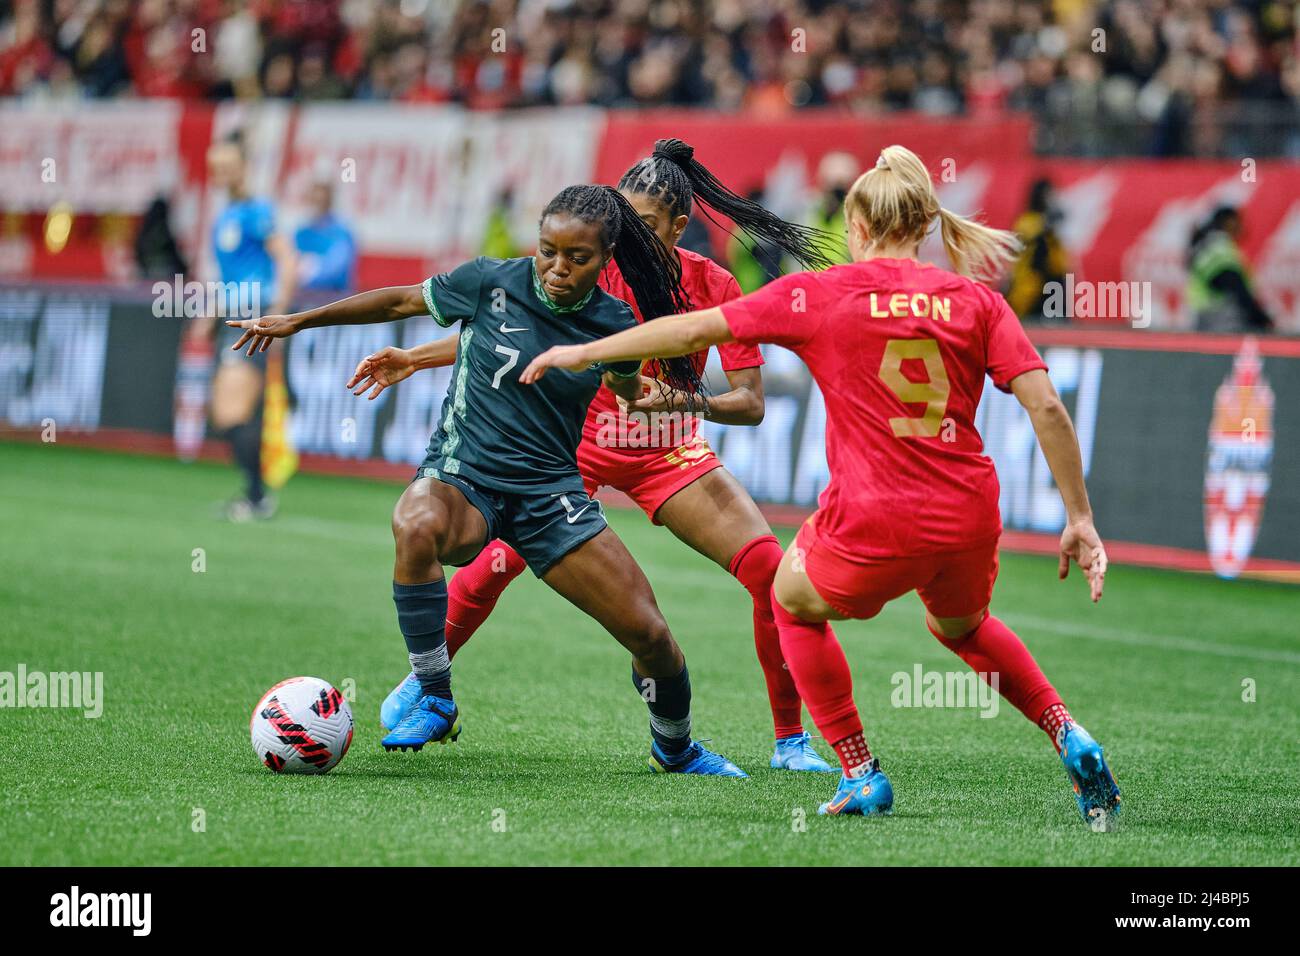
(514, 360)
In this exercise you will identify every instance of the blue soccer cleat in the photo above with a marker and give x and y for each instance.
(400, 701)
(695, 760)
(1095, 789)
(864, 796)
(797, 753)
(434, 718)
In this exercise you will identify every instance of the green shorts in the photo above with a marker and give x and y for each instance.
(543, 528)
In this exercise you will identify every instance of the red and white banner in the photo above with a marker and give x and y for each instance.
(1124, 221)
(780, 156)
(419, 182)
(105, 163)
(115, 157)
(1130, 221)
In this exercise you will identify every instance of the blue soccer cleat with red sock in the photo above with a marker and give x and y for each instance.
(864, 796)
(1095, 790)
(797, 753)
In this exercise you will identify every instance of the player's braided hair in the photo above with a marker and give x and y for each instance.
(672, 175)
(653, 274)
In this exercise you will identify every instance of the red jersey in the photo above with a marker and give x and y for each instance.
(899, 350)
(706, 284)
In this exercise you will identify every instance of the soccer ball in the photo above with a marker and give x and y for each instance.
(301, 725)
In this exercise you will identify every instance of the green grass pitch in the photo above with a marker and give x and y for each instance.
(96, 575)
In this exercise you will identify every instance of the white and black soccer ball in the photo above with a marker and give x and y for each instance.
(301, 725)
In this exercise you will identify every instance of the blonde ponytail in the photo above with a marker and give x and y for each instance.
(897, 203)
(975, 249)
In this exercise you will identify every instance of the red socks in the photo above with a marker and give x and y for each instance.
(993, 648)
(754, 566)
(473, 591)
(854, 754)
(821, 673)
(1053, 720)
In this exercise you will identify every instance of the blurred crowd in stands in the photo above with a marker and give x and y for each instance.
(1162, 63)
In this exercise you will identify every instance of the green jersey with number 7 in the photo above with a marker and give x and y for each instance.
(493, 431)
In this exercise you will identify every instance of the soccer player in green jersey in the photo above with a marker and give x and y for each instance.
(503, 462)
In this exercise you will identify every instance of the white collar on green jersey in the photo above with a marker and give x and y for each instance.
(540, 291)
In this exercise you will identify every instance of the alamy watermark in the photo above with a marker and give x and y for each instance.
(75, 908)
(622, 429)
(179, 299)
(941, 689)
(1080, 299)
(80, 690)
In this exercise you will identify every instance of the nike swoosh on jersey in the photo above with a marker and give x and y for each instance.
(504, 329)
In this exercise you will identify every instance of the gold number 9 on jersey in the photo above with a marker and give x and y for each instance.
(933, 392)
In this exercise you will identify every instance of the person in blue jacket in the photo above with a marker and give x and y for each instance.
(327, 252)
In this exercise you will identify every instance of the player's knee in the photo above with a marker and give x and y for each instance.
(650, 637)
(229, 411)
(792, 599)
(804, 610)
(236, 390)
(419, 531)
(755, 567)
(954, 628)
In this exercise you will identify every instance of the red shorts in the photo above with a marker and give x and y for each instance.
(649, 476)
(950, 583)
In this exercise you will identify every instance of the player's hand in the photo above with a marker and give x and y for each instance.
(258, 333)
(377, 372)
(1081, 544)
(656, 396)
(570, 357)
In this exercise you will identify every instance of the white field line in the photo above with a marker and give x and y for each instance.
(1160, 641)
(719, 580)
(1026, 624)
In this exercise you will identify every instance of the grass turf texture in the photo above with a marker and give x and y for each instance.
(96, 575)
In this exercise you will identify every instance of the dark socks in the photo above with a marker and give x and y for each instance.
(246, 448)
(422, 616)
(669, 700)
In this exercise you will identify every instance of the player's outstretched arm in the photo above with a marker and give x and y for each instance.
(379, 305)
(663, 338)
(391, 365)
(1080, 542)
